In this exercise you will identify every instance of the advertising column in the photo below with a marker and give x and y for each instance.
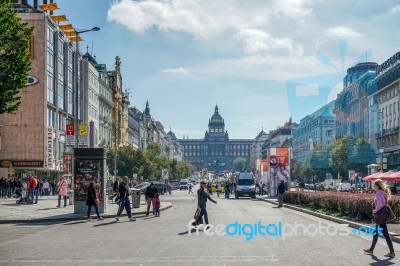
(89, 166)
(279, 162)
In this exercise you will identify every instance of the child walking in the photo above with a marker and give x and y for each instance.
(156, 204)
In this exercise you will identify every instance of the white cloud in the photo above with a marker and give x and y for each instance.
(175, 71)
(202, 18)
(395, 9)
(267, 67)
(258, 41)
(342, 32)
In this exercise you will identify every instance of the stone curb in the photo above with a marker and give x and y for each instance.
(351, 224)
(76, 218)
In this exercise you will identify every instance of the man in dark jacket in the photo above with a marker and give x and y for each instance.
(281, 191)
(202, 197)
(151, 191)
(115, 189)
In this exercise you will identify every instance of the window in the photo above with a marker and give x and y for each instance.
(51, 117)
(50, 89)
(60, 102)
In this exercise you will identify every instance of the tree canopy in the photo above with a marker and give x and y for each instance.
(14, 57)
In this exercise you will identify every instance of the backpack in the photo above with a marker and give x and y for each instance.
(33, 182)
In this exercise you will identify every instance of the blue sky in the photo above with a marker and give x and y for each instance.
(184, 56)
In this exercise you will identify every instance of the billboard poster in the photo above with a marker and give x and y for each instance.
(279, 168)
(83, 135)
(67, 163)
(87, 171)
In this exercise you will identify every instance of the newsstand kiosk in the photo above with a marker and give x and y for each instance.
(89, 166)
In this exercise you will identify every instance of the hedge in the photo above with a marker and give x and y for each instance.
(352, 205)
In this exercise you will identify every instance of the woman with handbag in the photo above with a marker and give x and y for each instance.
(62, 191)
(92, 201)
(381, 215)
(123, 201)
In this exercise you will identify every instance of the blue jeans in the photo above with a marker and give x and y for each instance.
(36, 194)
(203, 211)
(96, 208)
(127, 205)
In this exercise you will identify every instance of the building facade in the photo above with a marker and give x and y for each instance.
(91, 92)
(120, 109)
(352, 103)
(386, 102)
(314, 130)
(280, 137)
(34, 139)
(215, 151)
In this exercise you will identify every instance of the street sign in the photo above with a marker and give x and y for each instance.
(70, 130)
(164, 174)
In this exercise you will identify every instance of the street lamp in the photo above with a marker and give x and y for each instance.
(77, 81)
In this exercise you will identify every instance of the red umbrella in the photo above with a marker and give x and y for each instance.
(388, 176)
(372, 177)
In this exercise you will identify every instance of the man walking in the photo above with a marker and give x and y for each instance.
(190, 188)
(115, 189)
(151, 191)
(281, 191)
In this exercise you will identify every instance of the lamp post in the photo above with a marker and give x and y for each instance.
(77, 82)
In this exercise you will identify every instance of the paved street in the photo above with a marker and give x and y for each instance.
(165, 240)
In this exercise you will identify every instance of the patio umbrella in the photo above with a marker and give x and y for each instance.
(372, 177)
(388, 176)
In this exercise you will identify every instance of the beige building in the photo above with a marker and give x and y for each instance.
(120, 110)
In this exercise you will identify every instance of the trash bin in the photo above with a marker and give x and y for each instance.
(135, 197)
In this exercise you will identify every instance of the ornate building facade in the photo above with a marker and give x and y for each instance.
(215, 151)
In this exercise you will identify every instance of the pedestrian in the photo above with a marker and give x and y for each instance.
(31, 185)
(382, 196)
(209, 188)
(62, 191)
(156, 204)
(5, 188)
(190, 188)
(218, 189)
(151, 191)
(115, 189)
(281, 191)
(124, 202)
(202, 196)
(38, 188)
(227, 189)
(46, 187)
(92, 201)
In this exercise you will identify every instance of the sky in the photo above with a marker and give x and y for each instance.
(261, 61)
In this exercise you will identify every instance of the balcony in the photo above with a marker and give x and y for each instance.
(387, 132)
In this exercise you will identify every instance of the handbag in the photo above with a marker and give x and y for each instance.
(382, 215)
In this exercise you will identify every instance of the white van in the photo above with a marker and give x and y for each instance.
(343, 187)
(245, 185)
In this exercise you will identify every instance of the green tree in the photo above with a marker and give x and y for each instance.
(14, 57)
(239, 164)
(361, 155)
(341, 151)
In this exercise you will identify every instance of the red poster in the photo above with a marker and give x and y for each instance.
(70, 130)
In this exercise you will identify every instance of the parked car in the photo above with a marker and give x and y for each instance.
(174, 184)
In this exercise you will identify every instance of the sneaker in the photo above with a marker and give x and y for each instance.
(132, 219)
(369, 251)
(390, 255)
(117, 218)
(89, 219)
(100, 218)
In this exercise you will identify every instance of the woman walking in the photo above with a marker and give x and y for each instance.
(92, 201)
(62, 190)
(381, 199)
(124, 192)
(202, 196)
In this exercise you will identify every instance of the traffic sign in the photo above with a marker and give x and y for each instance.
(164, 174)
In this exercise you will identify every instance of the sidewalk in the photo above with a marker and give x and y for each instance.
(395, 236)
(46, 211)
